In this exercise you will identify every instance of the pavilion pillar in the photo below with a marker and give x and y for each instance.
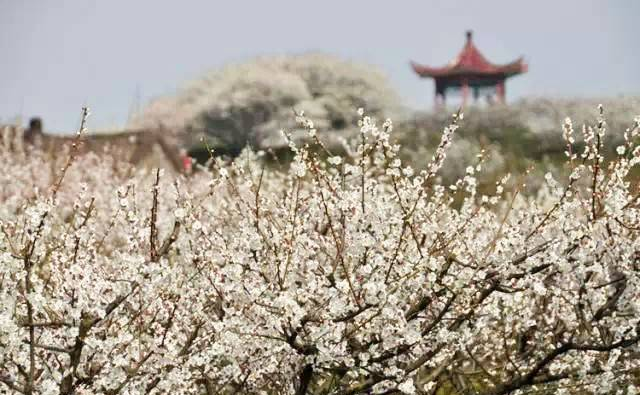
(500, 92)
(465, 92)
(439, 100)
(440, 95)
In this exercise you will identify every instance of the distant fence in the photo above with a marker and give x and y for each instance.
(135, 146)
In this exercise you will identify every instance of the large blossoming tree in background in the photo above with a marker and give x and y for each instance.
(248, 103)
(348, 275)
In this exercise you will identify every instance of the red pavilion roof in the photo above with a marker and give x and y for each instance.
(471, 62)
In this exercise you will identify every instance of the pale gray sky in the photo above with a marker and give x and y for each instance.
(56, 55)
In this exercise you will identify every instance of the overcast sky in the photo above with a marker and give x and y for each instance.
(56, 55)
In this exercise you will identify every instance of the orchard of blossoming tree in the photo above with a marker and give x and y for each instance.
(347, 274)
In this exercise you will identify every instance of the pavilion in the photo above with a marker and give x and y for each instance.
(470, 70)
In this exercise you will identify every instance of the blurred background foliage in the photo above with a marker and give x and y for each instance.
(248, 104)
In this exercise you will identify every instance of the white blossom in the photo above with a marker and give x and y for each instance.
(380, 278)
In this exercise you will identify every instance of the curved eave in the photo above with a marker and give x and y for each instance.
(507, 70)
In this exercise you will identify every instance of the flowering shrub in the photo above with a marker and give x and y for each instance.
(537, 116)
(349, 275)
(517, 137)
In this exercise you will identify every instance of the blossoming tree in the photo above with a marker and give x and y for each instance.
(249, 102)
(349, 275)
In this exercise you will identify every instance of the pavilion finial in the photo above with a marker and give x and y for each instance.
(469, 35)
